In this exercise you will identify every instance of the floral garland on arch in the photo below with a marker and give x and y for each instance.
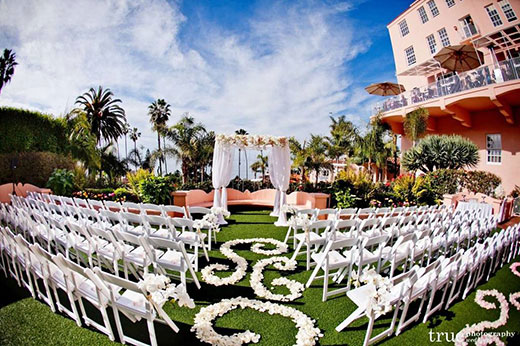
(241, 264)
(254, 141)
(281, 263)
(307, 333)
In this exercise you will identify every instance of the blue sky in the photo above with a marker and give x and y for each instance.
(271, 67)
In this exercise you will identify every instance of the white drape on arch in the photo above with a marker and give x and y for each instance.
(280, 172)
(279, 168)
(222, 170)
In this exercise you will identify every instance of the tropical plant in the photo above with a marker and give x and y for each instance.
(444, 151)
(141, 160)
(205, 145)
(134, 136)
(61, 182)
(82, 142)
(481, 182)
(7, 64)
(299, 157)
(241, 132)
(342, 139)
(344, 198)
(113, 167)
(105, 116)
(185, 136)
(374, 147)
(157, 190)
(134, 180)
(159, 112)
(260, 165)
(126, 131)
(317, 159)
(415, 124)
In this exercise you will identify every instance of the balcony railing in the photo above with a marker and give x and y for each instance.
(484, 75)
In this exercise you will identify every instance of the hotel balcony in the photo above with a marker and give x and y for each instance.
(484, 88)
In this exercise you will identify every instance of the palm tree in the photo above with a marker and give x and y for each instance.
(7, 64)
(134, 136)
(204, 150)
(415, 124)
(299, 156)
(184, 136)
(159, 112)
(317, 159)
(260, 165)
(138, 159)
(241, 132)
(82, 141)
(126, 130)
(342, 139)
(372, 147)
(105, 116)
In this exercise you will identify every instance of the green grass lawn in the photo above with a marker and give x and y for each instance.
(25, 321)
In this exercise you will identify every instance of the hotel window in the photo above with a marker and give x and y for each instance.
(410, 55)
(494, 148)
(468, 27)
(443, 36)
(432, 43)
(433, 8)
(493, 15)
(404, 28)
(450, 3)
(423, 15)
(508, 10)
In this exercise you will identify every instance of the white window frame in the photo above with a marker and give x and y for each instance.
(433, 8)
(423, 15)
(494, 16)
(443, 37)
(403, 27)
(409, 53)
(466, 28)
(494, 149)
(450, 3)
(432, 43)
(509, 13)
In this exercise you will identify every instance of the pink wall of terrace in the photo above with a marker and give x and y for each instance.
(449, 19)
(487, 122)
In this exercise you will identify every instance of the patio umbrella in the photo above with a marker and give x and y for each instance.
(459, 58)
(385, 89)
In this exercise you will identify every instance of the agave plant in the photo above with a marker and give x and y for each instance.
(435, 152)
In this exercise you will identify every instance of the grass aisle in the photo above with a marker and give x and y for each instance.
(25, 321)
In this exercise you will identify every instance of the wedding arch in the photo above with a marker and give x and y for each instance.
(279, 163)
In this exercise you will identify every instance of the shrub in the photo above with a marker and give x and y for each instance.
(33, 167)
(480, 181)
(134, 180)
(122, 195)
(29, 131)
(359, 184)
(410, 190)
(344, 198)
(80, 177)
(61, 182)
(97, 194)
(445, 181)
(436, 152)
(157, 190)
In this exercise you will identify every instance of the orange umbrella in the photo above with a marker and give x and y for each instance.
(459, 58)
(385, 89)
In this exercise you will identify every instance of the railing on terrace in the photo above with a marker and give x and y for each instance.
(484, 75)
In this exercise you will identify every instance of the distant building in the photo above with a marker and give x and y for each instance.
(482, 104)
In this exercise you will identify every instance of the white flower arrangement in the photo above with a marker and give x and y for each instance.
(253, 141)
(513, 268)
(460, 338)
(307, 333)
(380, 291)
(300, 221)
(220, 211)
(281, 263)
(208, 221)
(241, 264)
(160, 289)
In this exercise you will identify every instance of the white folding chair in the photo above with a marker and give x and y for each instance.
(347, 213)
(315, 236)
(197, 211)
(126, 297)
(173, 210)
(131, 207)
(95, 204)
(113, 206)
(80, 202)
(151, 209)
(84, 288)
(190, 237)
(158, 226)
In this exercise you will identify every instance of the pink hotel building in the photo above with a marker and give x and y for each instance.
(482, 104)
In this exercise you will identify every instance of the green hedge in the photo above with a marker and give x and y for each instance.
(33, 167)
(25, 131)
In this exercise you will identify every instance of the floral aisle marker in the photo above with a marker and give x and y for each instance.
(241, 264)
(160, 289)
(307, 333)
(281, 263)
(481, 326)
(513, 268)
(380, 291)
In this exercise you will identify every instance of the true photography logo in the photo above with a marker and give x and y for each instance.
(472, 337)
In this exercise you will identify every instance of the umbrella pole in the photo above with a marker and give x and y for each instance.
(476, 51)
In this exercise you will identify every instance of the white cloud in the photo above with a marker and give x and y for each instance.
(282, 76)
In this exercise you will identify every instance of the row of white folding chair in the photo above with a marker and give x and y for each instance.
(97, 287)
(89, 239)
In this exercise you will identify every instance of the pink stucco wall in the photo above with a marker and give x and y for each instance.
(488, 122)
